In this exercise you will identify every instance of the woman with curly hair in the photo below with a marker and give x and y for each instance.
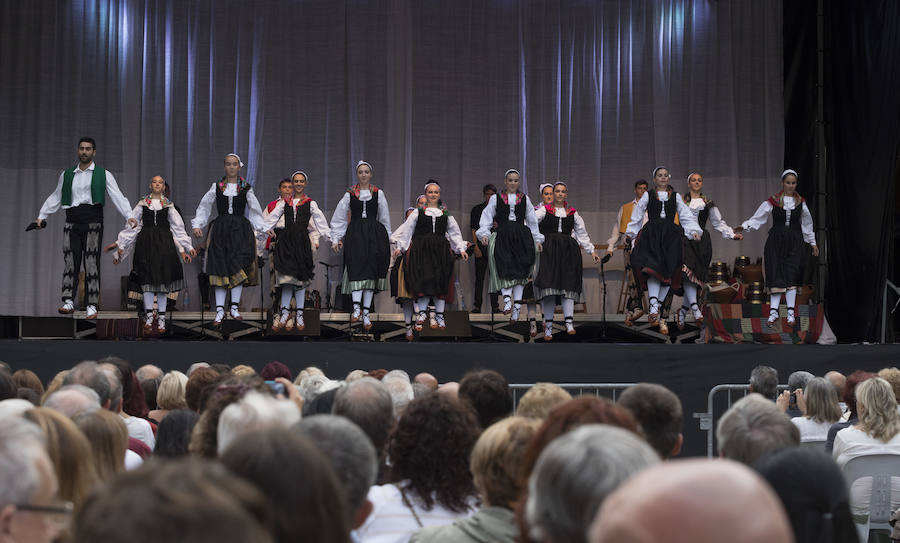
(431, 483)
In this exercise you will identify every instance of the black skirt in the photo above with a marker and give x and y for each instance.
(560, 264)
(784, 257)
(367, 252)
(428, 265)
(232, 248)
(157, 265)
(513, 251)
(293, 254)
(697, 255)
(658, 253)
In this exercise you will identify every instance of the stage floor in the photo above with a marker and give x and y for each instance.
(690, 370)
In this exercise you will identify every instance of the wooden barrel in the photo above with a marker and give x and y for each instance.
(756, 293)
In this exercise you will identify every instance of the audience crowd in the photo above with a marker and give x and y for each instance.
(107, 452)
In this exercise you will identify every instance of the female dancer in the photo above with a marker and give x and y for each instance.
(398, 279)
(293, 260)
(546, 190)
(429, 235)
(231, 242)
(158, 239)
(559, 270)
(785, 254)
(367, 251)
(657, 255)
(698, 254)
(511, 248)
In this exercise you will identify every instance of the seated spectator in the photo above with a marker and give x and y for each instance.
(274, 370)
(138, 428)
(426, 379)
(221, 369)
(254, 412)
(764, 381)
(198, 380)
(306, 372)
(495, 466)
(88, 373)
(29, 507)
(797, 381)
(351, 455)
(420, 390)
(242, 370)
(14, 407)
(851, 416)
(108, 437)
(148, 372)
(449, 389)
(812, 490)
(69, 451)
(819, 406)
(658, 411)
(377, 374)
(430, 479)
(891, 375)
(752, 427)
(29, 395)
(838, 381)
(140, 507)
(353, 376)
(133, 404)
(367, 403)
(28, 379)
(150, 387)
(574, 474)
(400, 388)
(488, 393)
(73, 399)
(171, 395)
(878, 432)
(314, 385)
(196, 366)
(540, 399)
(692, 501)
(8, 387)
(174, 434)
(305, 497)
(322, 404)
(205, 438)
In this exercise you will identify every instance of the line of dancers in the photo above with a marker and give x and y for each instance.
(530, 253)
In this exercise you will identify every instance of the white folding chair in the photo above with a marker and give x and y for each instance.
(880, 467)
(813, 445)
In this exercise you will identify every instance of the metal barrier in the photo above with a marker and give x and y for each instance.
(576, 389)
(707, 419)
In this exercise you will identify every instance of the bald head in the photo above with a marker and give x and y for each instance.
(148, 372)
(838, 381)
(451, 389)
(692, 501)
(426, 379)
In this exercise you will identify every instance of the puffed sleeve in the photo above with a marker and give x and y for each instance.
(52, 203)
(339, 219)
(614, 233)
(118, 199)
(181, 238)
(127, 237)
(271, 218)
(318, 225)
(581, 236)
(806, 225)
(201, 216)
(254, 212)
(540, 213)
(688, 219)
(759, 218)
(531, 221)
(487, 218)
(454, 236)
(402, 236)
(384, 216)
(637, 216)
(715, 217)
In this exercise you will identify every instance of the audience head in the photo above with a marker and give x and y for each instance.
(400, 389)
(322, 404)
(891, 375)
(150, 388)
(108, 436)
(426, 379)
(205, 437)
(849, 397)
(355, 375)
(188, 500)
(449, 389)
(575, 474)
(764, 381)
(148, 372)
(73, 399)
(429, 451)
(351, 454)
(254, 412)
(367, 403)
(798, 379)
(838, 381)
(132, 394)
(821, 401)
(752, 427)
(8, 387)
(813, 492)
(877, 408)
(174, 433)
(197, 381)
(28, 379)
(488, 393)
(14, 407)
(172, 391)
(313, 385)
(496, 462)
(540, 399)
(691, 501)
(305, 496)
(242, 370)
(88, 374)
(221, 369)
(196, 366)
(275, 369)
(116, 388)
(306, 372)
(55, 384)
(658, 411)
(29, 395)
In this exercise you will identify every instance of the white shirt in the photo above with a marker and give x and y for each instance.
(490, 210)
(851, 443)
(340, 220)
(128, 236)
(579, 232)
(392, 521)
(686, 216)
(132, 460)
(81, 193)
(140, 429)
(761, 217)
(614, 234)
(715, 217)
(254, 212)
(317, 227)
(811, 430)
(402, 236)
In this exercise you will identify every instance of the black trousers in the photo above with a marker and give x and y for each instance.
(481, 266)
(81, 243)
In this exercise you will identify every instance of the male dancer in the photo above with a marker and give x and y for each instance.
(634, 306)
(81, 191)
(481, 261)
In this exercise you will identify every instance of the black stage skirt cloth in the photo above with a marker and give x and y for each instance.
(658, 253)
(513, 251)
(785, 257)
(232, 247)
(697, 255)
(293, 254)
(156, 259)
(428, 265)
(560, 264)
(367, 253)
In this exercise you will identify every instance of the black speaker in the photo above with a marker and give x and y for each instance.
(457, 326)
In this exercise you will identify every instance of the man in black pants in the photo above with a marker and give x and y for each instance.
(82, 191)
(481, 252)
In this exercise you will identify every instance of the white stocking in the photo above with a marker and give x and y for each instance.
(439, 305)
(517, 291)
(506, 291)
(300, 296)
(690, 293)
(356, 296)
(220, 296)
(663, 292)
(548, 304)
(287, 292)
(422, 303)
(407, 306)
(653, 291)
(790, 297)
(236, 294)
(367, 298)
(148, 301)
(568, 307)
(774, 300)
(161, 301)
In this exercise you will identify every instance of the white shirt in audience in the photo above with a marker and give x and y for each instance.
(392, 521)
(811, 430)
(851, 443)
(132, 460)
(140, 429)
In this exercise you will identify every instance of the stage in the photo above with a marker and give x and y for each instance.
(690, 370)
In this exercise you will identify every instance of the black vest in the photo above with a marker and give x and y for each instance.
(155, 218)
(423, 225)
(779, 214)
(371, 206)
(301, 219)
(654, 205)
(550, 224)
(238, 202)
(502, 214)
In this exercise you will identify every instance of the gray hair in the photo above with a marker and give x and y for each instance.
(764, 380)
(350, 451)
(195, 366)
(798, 379)
(21, 448)
(254, 412)
(368, 404)
(315, 384)
(116, 387)
(400, 388)
(149, 372)
(73, 399)
(752, 427)
(88, 374)
(573, 476)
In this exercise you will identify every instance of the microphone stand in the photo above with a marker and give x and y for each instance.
(603, 261)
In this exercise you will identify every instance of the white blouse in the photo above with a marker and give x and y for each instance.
(402, 236)
(614, 234)
(686, 216)
(761, 217)
(318, 223)
(254, 211)
(490, 210)
(715, 217)
(579, 232)
(128, 236)
(81, 193)
(851, 443)
(340, 218)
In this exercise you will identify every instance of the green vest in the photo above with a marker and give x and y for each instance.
(98, 186)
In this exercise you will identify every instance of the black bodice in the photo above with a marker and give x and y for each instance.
(502, 214)
(654, 205)
(357, 206)
(779, 214)
(238, 202)
(157, 218)
(424, 225)
(550, 224)
(297, 217)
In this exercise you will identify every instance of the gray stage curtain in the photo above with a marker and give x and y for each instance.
(595, 93)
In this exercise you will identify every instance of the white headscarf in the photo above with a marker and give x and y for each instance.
(235, 155)
(786, 173)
